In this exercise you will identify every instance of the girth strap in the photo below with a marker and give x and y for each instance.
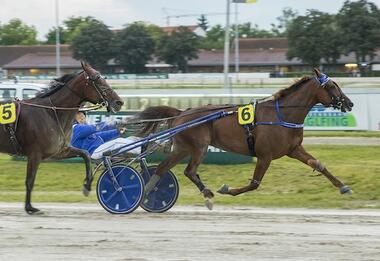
(13, 139)
(12, 128)
(250, 139)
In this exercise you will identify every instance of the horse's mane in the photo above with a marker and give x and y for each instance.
(56, 85)
(284, 92)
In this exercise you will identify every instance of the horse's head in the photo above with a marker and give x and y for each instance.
(331, 95)
(98, 91)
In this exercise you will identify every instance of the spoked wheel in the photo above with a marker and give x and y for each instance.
(164, 194)
(120, 190)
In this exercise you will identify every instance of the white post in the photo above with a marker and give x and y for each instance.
(236, 42)
(57, 41)
(227, 47)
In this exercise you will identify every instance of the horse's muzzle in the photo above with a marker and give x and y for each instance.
(347, 105)
(115, 106)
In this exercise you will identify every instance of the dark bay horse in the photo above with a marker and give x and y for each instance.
(44, 123)
(278, 131)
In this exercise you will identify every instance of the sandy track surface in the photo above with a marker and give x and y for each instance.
(87, 232)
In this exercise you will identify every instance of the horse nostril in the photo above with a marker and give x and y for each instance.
(119, 103)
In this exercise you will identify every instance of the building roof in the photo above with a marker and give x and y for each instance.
(246, 57)
(263, 43)
(9, 53)
(42, 61)
(253, 52)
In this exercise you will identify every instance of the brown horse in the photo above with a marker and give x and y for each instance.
(278, 131)
(44, 123)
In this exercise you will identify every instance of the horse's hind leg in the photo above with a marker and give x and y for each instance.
(301, 154)
(31, 171)
(261, 167)
(191, 172)
(70, 152)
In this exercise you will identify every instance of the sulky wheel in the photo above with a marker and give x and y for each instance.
(120, 190)
(164, 195)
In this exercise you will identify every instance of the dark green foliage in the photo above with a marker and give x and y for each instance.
(203, 23)
(280, 29)
(71, 27)
(178, 48)
(314, 38)
(135, 46)
(94, 44)
(17, 32)
(359, 24)
(214, 38)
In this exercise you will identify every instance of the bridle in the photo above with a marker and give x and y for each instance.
(336, 100)
(91, 80)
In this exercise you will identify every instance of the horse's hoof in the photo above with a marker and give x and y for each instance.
(33, 211)
(208, 203)
(346, 190)
(85, 191)
(223, 189)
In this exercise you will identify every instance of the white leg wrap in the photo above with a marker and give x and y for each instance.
(151, 183)
(319, 166)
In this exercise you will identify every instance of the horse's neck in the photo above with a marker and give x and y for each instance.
(296, 106)
(64, 98)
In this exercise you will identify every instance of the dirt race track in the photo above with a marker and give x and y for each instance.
(86, 232)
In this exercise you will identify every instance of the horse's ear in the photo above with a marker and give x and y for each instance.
(84, 65)
(317, 72)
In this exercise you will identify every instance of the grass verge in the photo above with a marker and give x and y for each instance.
(288, 183)
(367, 134)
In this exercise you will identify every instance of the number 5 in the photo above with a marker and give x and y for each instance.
(8, 113)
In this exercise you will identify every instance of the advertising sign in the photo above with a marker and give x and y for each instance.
(362, 117)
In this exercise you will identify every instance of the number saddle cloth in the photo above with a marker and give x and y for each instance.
(246, 118)
(9, 115)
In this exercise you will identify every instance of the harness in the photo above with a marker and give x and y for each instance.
(323, 79)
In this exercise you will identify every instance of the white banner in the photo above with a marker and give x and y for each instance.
(365, 115)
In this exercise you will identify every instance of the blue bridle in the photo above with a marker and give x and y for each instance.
(323, 79)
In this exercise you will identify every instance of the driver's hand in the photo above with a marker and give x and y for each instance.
(122, 130)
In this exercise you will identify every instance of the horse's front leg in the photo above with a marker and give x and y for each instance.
(71, 152)
(31, 171)
(261, 167)
(300, 154)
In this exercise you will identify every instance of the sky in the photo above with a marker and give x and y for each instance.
(116, 13)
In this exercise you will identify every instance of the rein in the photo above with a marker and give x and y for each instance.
(92, 107)
(323, 79)
(179, 116)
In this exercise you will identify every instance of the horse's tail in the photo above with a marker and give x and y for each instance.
(155, 113)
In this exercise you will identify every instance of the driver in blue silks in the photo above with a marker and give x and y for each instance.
(98, 138)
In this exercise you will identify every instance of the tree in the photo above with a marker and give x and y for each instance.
(249, 31)
(16, 32)
(178, 48)
(135, 47)
(69, 30)
(359, 23)
(214, 38)
(203, 23)
(288, 15)
(94, 44)
(215, 35)
(314, 37)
